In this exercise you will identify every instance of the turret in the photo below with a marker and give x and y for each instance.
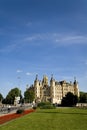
(37, 87)
(52, 81)
(76, 89)
(45, 81)
(36, 82)
(52, 88)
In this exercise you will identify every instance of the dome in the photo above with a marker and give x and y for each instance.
(45, 77)
(45, 80)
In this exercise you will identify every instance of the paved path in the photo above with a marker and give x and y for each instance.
(6, 112)
(13, 110)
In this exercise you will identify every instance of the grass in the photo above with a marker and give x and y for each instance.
(50, 119)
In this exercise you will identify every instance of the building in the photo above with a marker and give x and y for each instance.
(53, 92)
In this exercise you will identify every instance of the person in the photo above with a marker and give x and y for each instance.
(9, 108)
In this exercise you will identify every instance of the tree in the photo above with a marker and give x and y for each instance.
(15, 92)
(1, 97)
(83, 97)
(29, 96)
(70, 99)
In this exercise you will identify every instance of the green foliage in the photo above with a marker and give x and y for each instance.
(46, 105)
(29, 96)
(15, 92)
(41, 104)
(69, 100)
(83, 97)
(1, 97)
(20, 111)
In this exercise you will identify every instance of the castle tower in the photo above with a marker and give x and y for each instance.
(76, 89)
(52, 89)
(45, 81)
(37, 88)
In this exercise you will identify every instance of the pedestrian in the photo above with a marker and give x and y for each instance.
(9, 108)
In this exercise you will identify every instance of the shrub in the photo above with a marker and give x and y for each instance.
(20, 111)
(34, 107)
(46, 105)
(41, 104)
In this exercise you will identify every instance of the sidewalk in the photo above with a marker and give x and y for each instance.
(6, 113)
(14, 110)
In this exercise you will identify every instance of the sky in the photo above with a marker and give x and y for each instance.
(42, 37)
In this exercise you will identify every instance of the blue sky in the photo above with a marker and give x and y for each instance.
(42, 37)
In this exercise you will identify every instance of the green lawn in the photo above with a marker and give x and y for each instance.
(52, 119)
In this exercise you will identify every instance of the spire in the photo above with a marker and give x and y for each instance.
(74, 78)
(75, 82)
(36, 77)
(45, 80)
(51, 77)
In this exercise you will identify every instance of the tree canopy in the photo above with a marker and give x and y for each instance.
(1, 97)
(29, 96)
(83, 97)
(70, 99)
(15, 92)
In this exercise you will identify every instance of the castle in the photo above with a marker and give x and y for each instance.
(53, 92)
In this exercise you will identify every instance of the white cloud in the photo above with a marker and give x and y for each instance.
(36, 37)
(31, 38)
(57, 39)
(19, 71)
(71, 39)
(29, 74)
(9, 47)
(60, 38)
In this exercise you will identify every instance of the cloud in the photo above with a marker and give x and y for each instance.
(60, 38)
(31, 38)
(36, 37)
(56, 39)
(29, 74)
(9, 47)
(19, 71)
(68, 39)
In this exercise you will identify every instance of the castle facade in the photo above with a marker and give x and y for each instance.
(53, 92)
